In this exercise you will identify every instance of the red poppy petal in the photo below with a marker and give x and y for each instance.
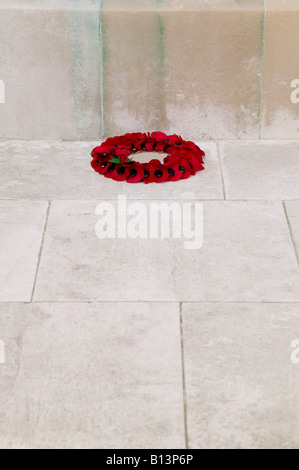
(118, 177)
(139, 174)
(96, 165)
(135, 179)
(121, 152)
(149, 146)
(163, 177)
(172, 164)
(160, 146)
(96, 150)
(155, 162)
(177, 176)
(185, 175)
(158, 135)
(105, 148)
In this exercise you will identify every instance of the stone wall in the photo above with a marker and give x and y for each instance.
(206, 69)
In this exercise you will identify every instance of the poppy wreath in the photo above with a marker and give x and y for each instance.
(111, 158)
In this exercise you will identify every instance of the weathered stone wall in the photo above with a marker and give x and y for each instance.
(214, 69)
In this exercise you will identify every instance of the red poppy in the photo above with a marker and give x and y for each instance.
(135, 173)
(175, 140)
(201, 152)
(149, 145)
(136, 136)
(117, 172)
(100, 165)
(103, 149)
(195, 163)
(158, 173)
(158, 136)
(148, 172)
(194, 159)
(185, 168)
(122, 153)
(177, 168)
(173, 170)
(120, 142)
(189, 155)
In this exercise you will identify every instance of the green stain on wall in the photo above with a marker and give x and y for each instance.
(103, 54)
(160, 69)
(261, 84)
(160, 32)
(84, 34)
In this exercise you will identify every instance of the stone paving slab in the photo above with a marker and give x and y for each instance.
(21, 229)
(260, 170)
(61, 170)
(240, 380)
(247, 255)
(81, 375)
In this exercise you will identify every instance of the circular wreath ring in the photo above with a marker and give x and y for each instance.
(111, 158)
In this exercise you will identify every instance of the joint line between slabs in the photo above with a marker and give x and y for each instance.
(183, 377)
(41, 249)
(291, 231)
(163, 301)
(221, 170)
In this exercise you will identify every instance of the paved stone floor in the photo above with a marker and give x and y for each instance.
(141, 343)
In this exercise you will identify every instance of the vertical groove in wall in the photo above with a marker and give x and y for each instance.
(76, 53)
(261, 111)
(160, 65)
(101, 38)
(85, 63)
